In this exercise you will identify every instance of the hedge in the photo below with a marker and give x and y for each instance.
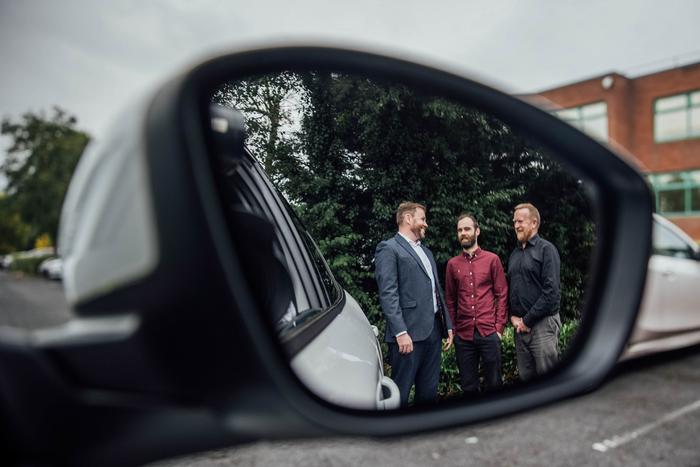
(449, 374)
(29, 265)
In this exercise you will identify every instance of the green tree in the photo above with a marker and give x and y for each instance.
(364, 146)
(38, 167)
(269, 104)
(14, 234)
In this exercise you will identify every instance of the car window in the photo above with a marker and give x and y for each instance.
(330, 286)
(248, 194)
(317, 293)
(303, 251)
(667, 243)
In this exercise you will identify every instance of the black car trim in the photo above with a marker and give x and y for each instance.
(266, 194)
(311, 279)
(296, 340)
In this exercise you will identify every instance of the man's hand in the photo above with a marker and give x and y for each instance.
(450, 338)
(519, 325)
(500, 336)
(405, 343)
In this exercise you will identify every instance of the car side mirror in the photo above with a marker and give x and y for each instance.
(214, 286)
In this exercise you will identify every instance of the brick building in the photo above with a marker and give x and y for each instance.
(655, 118)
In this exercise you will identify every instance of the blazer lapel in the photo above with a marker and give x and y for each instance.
(402, 241)
(431, 260)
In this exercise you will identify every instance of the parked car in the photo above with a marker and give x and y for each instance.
(51, 268)
(669, 317)
(6, 261)
(332, 346)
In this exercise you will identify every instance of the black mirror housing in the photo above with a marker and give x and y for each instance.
(228, 128)
(625, 224)
(234, 375)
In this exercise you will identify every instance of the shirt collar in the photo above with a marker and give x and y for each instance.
(533, 241)
(410, 242)
(476, 253)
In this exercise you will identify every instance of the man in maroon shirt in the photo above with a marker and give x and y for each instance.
(476, 293)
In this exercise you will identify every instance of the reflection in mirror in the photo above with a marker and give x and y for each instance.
(394, 304)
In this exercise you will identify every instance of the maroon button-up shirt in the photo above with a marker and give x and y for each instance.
(476, 293)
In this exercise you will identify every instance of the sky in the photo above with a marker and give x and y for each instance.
(90, 57)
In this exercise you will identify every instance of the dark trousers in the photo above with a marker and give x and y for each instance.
(538, 350)
(484, 348)
(420, 367)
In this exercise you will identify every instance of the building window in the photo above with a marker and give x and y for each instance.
(590, 118)
(677, 117)
(677, 192)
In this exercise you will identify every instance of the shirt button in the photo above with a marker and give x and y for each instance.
(473, 308)
(470, 273)
(472, 295)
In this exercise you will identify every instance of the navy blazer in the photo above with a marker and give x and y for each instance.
(405, 290)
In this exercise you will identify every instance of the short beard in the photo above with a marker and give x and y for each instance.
(469, 244)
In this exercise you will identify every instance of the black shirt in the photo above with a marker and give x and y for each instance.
(533, 277)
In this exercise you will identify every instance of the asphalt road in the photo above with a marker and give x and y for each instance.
(31, 302)
(647, 415)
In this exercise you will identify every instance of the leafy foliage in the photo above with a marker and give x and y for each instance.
(269, 104)
(14, 233)
(509, 362)
(38, 168)
(508, 355)
(360, 147)
(29, 264)
(449, 374)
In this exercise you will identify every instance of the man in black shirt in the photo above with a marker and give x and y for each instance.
(533, 275)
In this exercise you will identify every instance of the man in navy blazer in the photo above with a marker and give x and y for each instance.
(413, 303)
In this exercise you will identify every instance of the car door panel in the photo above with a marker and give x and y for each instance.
(343, 364)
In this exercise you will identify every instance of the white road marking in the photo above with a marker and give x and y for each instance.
(617, 441)
(471, 440)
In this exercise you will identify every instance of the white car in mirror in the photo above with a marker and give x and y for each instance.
(669, 317)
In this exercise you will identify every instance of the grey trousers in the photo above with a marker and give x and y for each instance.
(537, 351)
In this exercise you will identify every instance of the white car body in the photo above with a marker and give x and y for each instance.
(344, 365)
(669, 317)
(6, 261)
(107, 240)
(51, 268)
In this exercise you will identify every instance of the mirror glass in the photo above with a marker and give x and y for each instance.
(391, 223)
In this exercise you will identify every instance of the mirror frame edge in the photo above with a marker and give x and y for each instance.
(620, 260)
